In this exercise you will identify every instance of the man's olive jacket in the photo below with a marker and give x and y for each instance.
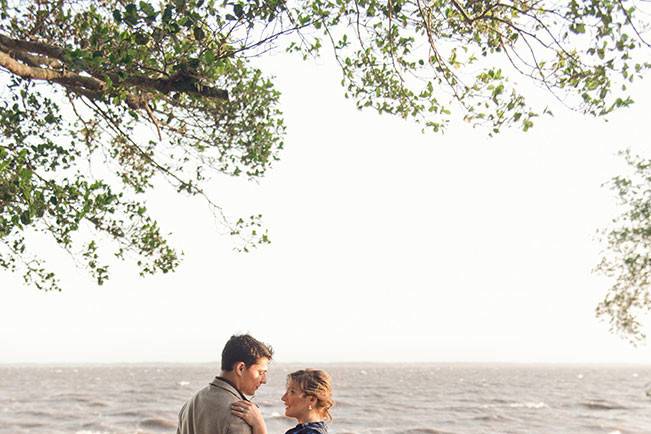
(209, 411)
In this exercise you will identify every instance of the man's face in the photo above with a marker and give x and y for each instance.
(254, 376)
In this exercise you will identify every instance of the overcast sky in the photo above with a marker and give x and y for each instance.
(387, 245)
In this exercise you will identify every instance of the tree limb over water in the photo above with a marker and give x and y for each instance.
(150, 90)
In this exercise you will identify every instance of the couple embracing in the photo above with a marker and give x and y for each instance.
(223, 407)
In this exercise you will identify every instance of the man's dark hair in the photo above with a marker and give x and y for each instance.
(244, 348)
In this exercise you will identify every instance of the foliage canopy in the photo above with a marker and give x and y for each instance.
(627, 259)
(103, 97)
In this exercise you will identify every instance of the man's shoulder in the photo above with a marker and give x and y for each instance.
(212, 399)
(210, 409)
(223, 391)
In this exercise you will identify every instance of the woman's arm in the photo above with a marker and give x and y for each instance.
(251, 414)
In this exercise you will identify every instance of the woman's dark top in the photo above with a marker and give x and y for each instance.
(309, 428)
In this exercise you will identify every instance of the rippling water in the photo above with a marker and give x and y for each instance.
(371, 399)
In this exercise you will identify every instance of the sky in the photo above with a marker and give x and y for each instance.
(388, 245)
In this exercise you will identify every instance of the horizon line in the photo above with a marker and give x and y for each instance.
(332, 363)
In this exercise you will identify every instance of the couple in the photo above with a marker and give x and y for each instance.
(222, 407)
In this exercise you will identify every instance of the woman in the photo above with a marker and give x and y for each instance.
(308, 399)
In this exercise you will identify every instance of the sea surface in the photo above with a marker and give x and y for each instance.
(370, 398)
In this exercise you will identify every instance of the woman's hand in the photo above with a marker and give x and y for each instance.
(251, 414)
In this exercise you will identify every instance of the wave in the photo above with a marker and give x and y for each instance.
(156, 422)
(70, 397)
(500, 401)
(609, 429)
(511, 404)
(276, 415)
(600, 404)
(266, 403)
(128, 413)
(373, 394)
(494, 418)
(31, 424)
(92, 432)
(427, 431)
(528, 405)
(464, 409)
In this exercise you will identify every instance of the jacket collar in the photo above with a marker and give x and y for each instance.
(223, 383)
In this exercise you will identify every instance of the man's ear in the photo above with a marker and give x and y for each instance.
(239, 368)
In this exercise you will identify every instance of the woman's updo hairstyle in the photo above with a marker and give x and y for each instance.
(316, 383)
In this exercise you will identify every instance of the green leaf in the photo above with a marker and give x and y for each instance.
(25, 218)
(180, 4)
(198, 33)
(238, 10)
(167, 14)
(131, 14)
(147, 9)
(141, 38)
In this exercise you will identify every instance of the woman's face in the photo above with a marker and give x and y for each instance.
(297, 403)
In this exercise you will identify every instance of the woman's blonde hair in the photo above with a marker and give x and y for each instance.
(316, 383)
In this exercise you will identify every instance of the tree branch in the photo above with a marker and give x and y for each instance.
(62, 77)
(181, 82)
(33, 47)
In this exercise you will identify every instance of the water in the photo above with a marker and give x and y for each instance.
(370, 399)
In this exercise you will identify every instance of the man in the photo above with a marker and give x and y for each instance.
(244, 369)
